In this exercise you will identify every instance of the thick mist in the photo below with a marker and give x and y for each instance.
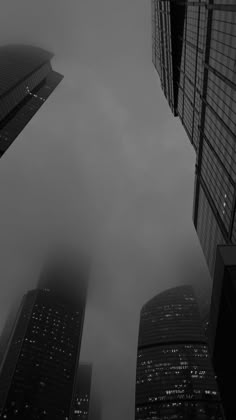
(104, 167)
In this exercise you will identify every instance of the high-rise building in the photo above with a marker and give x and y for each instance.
(38, 372)
(82, 392)
(222, 326)
(175, 378)
(7, 328)
(26, 81)
(95, 409)
(194, 50)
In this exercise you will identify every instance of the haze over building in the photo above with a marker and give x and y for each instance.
(38, 372)
(26, 81)
(175, 378)
(194, 47)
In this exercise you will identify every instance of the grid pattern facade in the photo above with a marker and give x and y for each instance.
(26, 81)
(162, 47)
(170, 316)
(216, 158)
(206, 105)
(222, 326)
(38, 373)
(174, 378)
(191, 70)
(82, 394)
(209, 232)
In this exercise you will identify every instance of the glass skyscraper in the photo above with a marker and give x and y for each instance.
(222, 326)
(26, 81)
(175, 378)
(95, 408)
(38, 372)
(194, 52)
(82, 392)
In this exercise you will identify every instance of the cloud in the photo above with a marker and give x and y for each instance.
(103, 165)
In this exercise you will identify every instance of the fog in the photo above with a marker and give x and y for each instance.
(103, 167)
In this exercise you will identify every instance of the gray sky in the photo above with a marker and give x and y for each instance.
(103, 164)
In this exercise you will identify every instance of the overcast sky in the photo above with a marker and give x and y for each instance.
(103, 165)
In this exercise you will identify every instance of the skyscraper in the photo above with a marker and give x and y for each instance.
(95, 408)
(175, 379)
(7, 328)
(222, 326)
(82, 392)
(26, 81)
(194, 50)
(38, 372)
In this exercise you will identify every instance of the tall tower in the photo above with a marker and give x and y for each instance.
(95, 409)
(26, 81)
(82, 392)
(222, 327)
(194, 50)
(175, 379)
(38, 372)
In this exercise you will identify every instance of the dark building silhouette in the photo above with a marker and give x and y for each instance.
(205, 323)
(8, 326)
(95, 409)
(26, 81)
(38, 372)
(193, 50)
(175, 379)
(82, 392)
(222, 326)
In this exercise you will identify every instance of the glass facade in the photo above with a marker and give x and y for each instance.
(221, 330)
(82, 393)
(38, 372)
(206, 104)
(191, 70)
(26, 81)
(166, 46)
(215, 175)
(162, 55)
(175, 379)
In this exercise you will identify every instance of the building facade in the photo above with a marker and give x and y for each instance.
(38, 372)
(194, 52)
(222, 327)
(26, 81)
(95, 409)
(82, 393)
(175, 378)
